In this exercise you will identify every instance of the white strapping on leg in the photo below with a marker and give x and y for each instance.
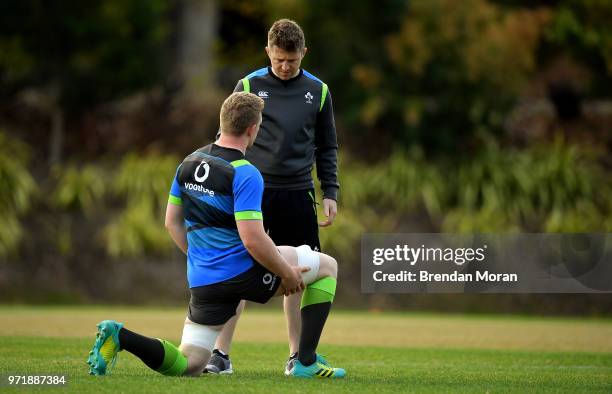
(199, 335)
(308, 258)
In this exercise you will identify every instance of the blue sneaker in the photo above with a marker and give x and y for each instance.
(321, 359)
(319, 369)
(103, 355)
(294, 356)
(290, 363)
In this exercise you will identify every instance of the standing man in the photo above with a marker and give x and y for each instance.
(297, 130)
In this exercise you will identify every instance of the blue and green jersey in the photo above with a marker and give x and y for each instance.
(216, 187)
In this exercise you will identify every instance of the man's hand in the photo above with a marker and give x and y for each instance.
(330, 209)
(293, 283)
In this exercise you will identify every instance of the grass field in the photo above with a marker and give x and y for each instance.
(381, 352)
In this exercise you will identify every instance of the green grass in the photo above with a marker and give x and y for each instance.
(259, 369)
(259, 366)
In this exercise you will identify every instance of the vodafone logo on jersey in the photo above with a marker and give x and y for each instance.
(199, 177)
(197, 171)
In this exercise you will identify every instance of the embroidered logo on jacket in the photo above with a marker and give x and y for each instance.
(309, 97)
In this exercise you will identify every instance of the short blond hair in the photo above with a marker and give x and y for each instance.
(287, 35)
(240, 111)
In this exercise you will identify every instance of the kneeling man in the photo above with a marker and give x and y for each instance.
(214, 216)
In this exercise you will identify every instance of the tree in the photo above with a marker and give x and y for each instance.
(67, 56)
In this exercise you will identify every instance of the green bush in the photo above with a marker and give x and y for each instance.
(143, 182)
(136, 232)
(550, 188)
(147, 177)
(529, 190)
(17, 190)
(80, 188)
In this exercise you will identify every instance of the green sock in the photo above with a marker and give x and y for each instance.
(316, 303)
(175, 363)
(323, 290)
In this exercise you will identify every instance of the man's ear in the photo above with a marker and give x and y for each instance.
(251, 129)
(304, 51)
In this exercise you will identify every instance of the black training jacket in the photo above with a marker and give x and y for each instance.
(298, 129)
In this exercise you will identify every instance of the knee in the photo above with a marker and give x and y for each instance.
(195, 366)
(333, 265)
(289, 254)
(196, 359)
(328, 266)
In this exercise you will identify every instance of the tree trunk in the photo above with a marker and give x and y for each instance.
(196, 36)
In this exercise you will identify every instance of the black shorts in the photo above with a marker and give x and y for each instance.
(215, 304)
(290, 217)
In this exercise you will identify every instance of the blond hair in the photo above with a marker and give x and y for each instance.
(240, 111)
(287, 35)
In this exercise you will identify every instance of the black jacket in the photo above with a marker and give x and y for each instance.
(298, 128)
